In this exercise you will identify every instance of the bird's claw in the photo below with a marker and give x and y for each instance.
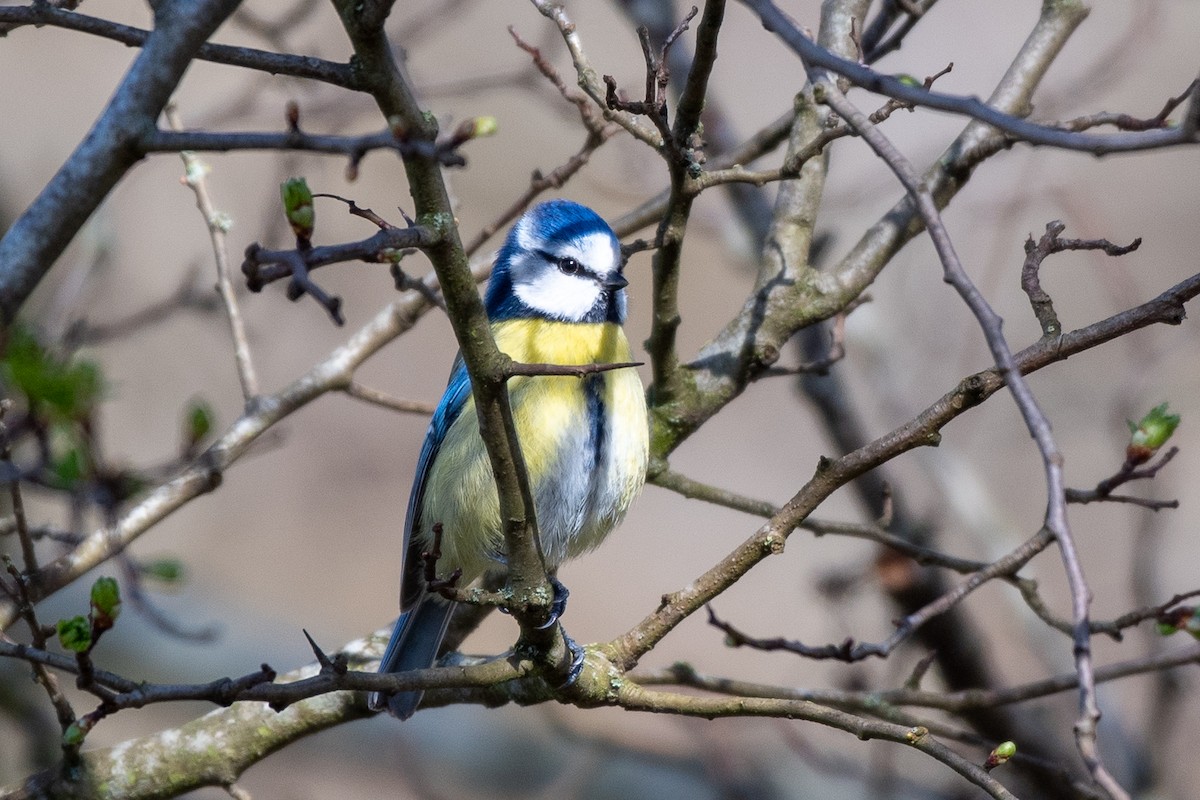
(558, 606)
(577, 656)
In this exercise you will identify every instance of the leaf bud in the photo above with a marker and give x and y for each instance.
(298, 207)
(1001, 755)
(1151, 433)
(106, 603)
(75, 634)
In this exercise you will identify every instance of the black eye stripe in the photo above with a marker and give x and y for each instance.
(568, 265)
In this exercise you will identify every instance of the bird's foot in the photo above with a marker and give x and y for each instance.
(558, 606)
(577, 655)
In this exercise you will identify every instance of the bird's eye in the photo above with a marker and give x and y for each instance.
(569, 266)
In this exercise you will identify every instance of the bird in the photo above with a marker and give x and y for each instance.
(557, 295)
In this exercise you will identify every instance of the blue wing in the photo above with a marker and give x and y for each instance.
(451, 405)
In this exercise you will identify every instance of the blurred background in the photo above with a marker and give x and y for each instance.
(305, 530)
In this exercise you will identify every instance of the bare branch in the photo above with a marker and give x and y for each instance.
(1035, 419)
(204, 473)
(378, 398)
(194, 177)
(33, 242)
(1018, 129)
(316, 69)
(1036, 253)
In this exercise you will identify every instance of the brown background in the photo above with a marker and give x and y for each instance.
(305, 532)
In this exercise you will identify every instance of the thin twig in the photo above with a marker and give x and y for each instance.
(194, 177)
(1037, 252)
(955, 701)
(29, 558)
(316, 69)
(384, 400)
(356, 147)
(569, 370)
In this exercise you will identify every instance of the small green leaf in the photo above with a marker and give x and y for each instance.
(199, 421)
(1179, 618)
(75, 634)
(106, 598)
(1156, 427)
(298, 206)
(69, 468)
(167, 570)
(65, 388)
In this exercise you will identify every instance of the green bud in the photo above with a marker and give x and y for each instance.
(909, 80)
(167, 570)
(69, 469)
(106, 601)
(1179, 618)
(1003, 752)
(298, 206)
(74, 735)
(199, 421)
(475, 128)
(1150, 434)
(75, 634)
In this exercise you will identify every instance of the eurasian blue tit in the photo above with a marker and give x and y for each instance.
(556, 296)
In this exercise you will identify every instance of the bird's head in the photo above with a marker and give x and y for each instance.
(560, 261)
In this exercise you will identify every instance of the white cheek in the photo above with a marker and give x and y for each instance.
(559, 295)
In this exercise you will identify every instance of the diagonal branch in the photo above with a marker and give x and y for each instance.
(109, 150)
(309, 67)
(204, 473)
(923, 430)
(1014, 126)
(752, 341)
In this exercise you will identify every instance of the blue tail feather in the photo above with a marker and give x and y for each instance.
(415, 642)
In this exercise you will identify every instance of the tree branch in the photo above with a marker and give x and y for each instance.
(316, 69)
(37, 237)
(1015, 127)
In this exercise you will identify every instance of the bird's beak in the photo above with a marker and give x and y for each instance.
(614, 281)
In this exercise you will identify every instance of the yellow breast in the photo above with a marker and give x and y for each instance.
(544, 342)
(582, 486)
